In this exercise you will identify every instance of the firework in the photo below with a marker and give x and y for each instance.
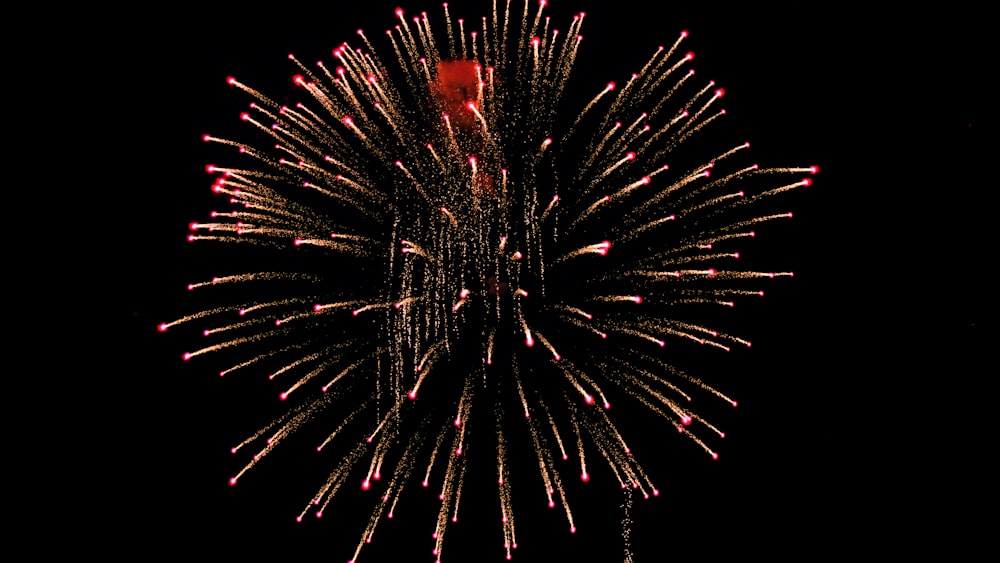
(457, 265)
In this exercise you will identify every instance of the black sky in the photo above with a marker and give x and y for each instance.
(862, 412)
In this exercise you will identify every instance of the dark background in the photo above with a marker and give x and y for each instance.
(863, 418)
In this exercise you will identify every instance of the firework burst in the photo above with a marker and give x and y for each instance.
(459, 266)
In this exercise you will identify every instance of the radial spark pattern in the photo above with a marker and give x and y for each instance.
(457, 265)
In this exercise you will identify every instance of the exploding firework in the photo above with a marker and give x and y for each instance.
(458, 266)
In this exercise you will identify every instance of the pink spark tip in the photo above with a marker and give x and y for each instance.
(298, 518)
(230, 80)
(733, 403)
(162, 327)
(711, 271)
(186, 356)
(424, 483)
(604, 335)
(365, 485)
(720, 92)
(458, 451)
(412, 395)
(190, 238)
(630, 156)
(245, 116)
(535, 41)
(232, 481)
(807, 182)
(585, 477)
(610, 86)
(552, 504)
(715, 455)
(399, 12)
(348, 121)
(232, 450)
(812, 169)
(277, 322)
(205, 332)
(572, 529)
(458, 422)
(685, 420)
(317, 307)
(283, 396)
(684, 33)
(297, 242)
(589, 399)
(637, 299)
(689, 56)
(607, 406)
(529, 342)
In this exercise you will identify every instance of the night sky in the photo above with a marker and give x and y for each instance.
(863, 418)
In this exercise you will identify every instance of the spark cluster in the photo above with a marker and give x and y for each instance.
(470, 268)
